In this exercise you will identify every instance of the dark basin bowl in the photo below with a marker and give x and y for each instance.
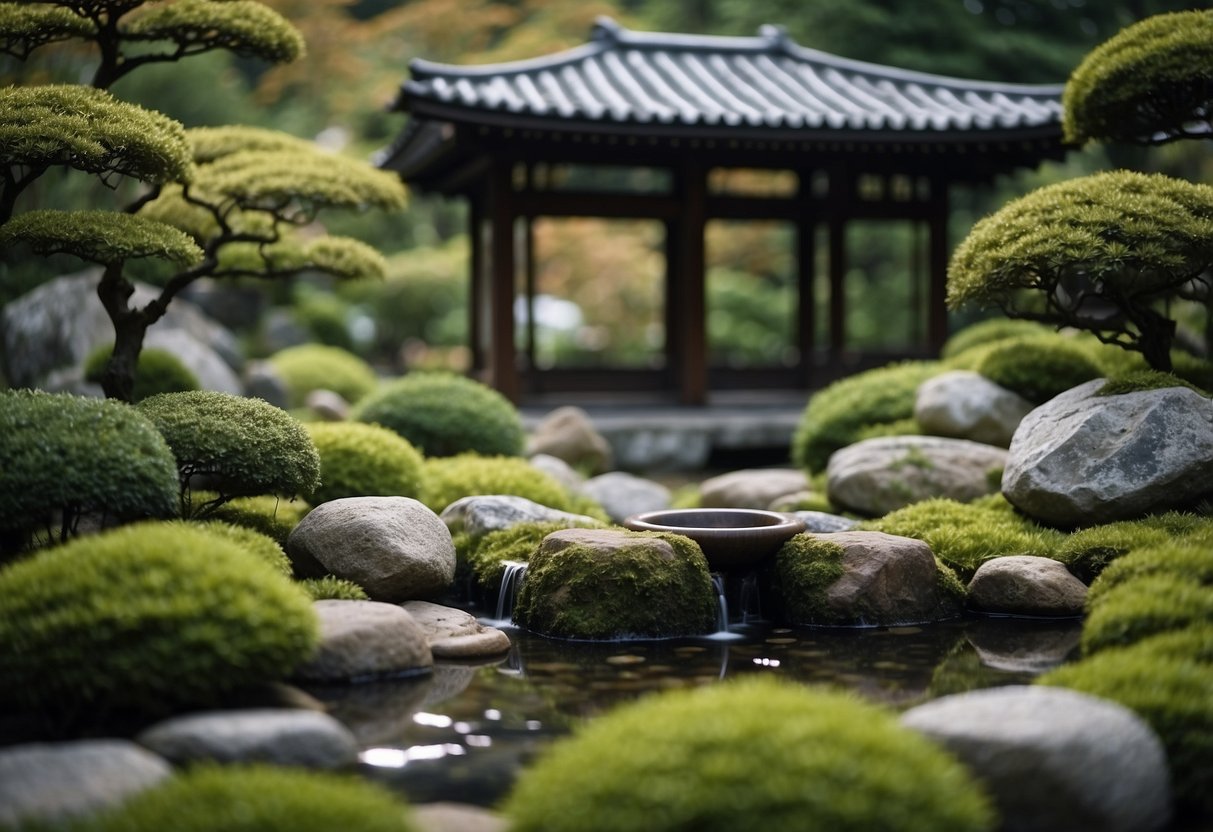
(731, 538)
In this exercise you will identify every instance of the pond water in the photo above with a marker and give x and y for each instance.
(464, 733)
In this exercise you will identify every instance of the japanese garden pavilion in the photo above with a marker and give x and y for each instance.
(648, 126)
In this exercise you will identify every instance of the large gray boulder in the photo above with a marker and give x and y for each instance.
(751, 487)
(365, 640)
(568, 433)
(876, 476)
(1084, 459)
(1026, 585)
(393, 547)
(963, 404)
(286, 737)
(480, 514)
(1054, 760)
(51, 783)
(622, 494)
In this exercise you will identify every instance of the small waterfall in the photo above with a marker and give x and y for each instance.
(751, 599)
(722, 604)
(511, 582)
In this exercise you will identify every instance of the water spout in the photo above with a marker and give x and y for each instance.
(511, 582)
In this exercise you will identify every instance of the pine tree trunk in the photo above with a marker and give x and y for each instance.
(130, 326)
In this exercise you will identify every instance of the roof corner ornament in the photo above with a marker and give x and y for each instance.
(775, 36)
(606, 29)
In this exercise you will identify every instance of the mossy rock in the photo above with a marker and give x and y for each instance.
(1144, 607)
(1142, 380)
(850, 409)
(487, 555)
(1038, 368)
(242, 447)
(274, 517)
(443, 415)
(146, 618)
(332, 588)
(755, 754)
(65, 457)
(805, 568)
(309, 367)
(156, 371)
(612, 584)
(447, 479)
(257, 798)
(1190, 560)
(361, 460)
(1172, 695)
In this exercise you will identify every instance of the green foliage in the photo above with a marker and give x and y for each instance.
(63, 457)
(1087, 552)
(146, 617)
(257, 798)
(1171, 694)
(1146, 380)
(325, 317)
(1145, 606)
(1151, 83)
(805, 568)
(241, 446)
(309, 367)
(837, 414)
(1188, 560)
(273, 516)
(1097, 253)
(447, 479)
(636, 593)
(266, 549)
(444, 415)
(158, 371)
(331, 588)
(102, 237)
(688, 760)
(246, 28)
(964, 536)
(24, 28)
(488, 554)
(989, 332)
(210, 143)
(360, 460)
(1037, 368)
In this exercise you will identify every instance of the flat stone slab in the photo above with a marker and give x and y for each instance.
(455, 634)
(365, 640)
(283, 737)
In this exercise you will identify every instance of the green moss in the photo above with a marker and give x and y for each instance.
(146, 617)
(1171, 694)
(1145, 380)
(989, 332)
(243, 447)
(1144, 607)
(964, 536)
(445, 415)
(747, 756)
(806, 501)
(65, 457)
(487, 555)
(1038, 368)
(333, 588)
(309, 367)
(837, 415)
(1182, 558)
(1087, 552)
(637, 592)
(447, 479)
(805, 568)
(274, 517)
(262, 545)
(157, 371)
(361, 460)
(257, 798)
(1194, 643)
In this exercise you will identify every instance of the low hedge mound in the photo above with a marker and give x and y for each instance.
(361, 460)
(309, 367)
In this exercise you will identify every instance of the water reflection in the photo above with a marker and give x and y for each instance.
(464, 733)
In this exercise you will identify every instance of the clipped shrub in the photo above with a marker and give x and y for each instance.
(1179, 558)
(447, 479)
(66, 457)
(332, 588)
(325, 317)
(309, 367)
(642, 590)
(147, 617)
(966, 535)
(984, 333)
(242, 447)
(157, 371)
(256, 798)
(1144, 607)
(443, 415)
(1087, 552)
(262, 545)
(1038, 368)
(753, 754)
(850, 409)
(361, 460)
(273, 516)
(1171, 694)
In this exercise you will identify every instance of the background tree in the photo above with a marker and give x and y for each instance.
(224, 203)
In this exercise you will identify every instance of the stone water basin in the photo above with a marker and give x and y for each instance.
(731, 538)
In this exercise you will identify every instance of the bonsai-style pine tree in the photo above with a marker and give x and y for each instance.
(220, 202)
(1107, 253)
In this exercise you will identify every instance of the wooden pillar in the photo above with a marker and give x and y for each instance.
(806, 262)
(501, 359)
(691, 374)
(840, 212)
(937, 256)
(476, 281)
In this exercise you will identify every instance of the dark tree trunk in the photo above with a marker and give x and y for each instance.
(130, 326)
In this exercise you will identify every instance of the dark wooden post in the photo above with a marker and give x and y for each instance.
(806, 274)
(501, 359)
(841, 208)
(937, 255)
(691, 372)
(476, 280)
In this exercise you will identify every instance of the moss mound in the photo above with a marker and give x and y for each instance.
(651, 586)
(757, 754)
(266, 549)
(1136, 382)
(486, 556)
(805, 567)
(447, 479)
(847, 410)
(361, 460)
(243, 447)
(1144, 607)
(331, 588)
(988, 332)
(274, 517)
(309, 367)
(147, 617)
(444, 415)
(1038, 368)
(1087, 552)
(65, 457)
(1185, 559)
(157, 371)
(1168, 692)
(253, 798)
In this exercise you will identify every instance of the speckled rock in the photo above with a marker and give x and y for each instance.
(455, 634)
(622, 494)
(479, 515)
(364, 640)
(751, 487)
(282, 737)
(966, 405)
(569, 434)
(1026, 585)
